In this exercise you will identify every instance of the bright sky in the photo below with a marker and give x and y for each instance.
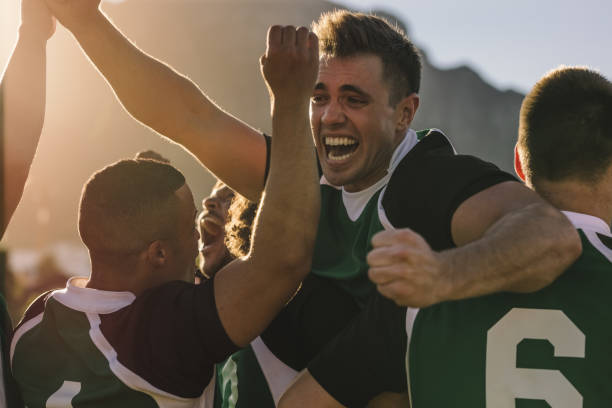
(510, 43)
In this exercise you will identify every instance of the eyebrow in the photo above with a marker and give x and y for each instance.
(345, 88)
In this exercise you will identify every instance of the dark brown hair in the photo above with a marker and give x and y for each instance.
(565, 128)
(345, 34)
(129, 204)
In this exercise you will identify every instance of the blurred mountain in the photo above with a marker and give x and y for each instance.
(217, 43)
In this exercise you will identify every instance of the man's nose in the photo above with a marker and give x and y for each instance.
(333, 113)
(211, 203)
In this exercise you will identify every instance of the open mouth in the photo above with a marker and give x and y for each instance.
(339, 148)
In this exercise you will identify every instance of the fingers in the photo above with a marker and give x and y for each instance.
(404, 235)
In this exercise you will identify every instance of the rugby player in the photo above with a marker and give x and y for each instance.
(506, 349)
(377, 173)
(22, 112)
(138, 332)
(211, 224)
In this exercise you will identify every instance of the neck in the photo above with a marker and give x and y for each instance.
(120, 274)
(587, 198)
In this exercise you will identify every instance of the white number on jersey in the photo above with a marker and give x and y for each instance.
(505, 382)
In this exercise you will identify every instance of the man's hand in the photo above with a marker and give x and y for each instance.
(291, 63)
(71, 13)
(36, 19)
(405, 268)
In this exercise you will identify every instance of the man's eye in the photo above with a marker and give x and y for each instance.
(316, 99)
(355, 101)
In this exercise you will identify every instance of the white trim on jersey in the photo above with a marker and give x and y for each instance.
(397, 158)
(27, 326)
(133, 380)
(279, 375)
(591, 226)
(411, 314)
(87, 300)
(588, 222)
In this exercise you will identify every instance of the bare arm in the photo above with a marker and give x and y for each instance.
(509, 240)
(23, 90)
(168, 102)
(249, 292)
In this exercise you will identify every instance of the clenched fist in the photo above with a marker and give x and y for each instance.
(291, 63)
(406, 270)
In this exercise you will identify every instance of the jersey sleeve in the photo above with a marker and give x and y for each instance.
(298, 333)
(367, 358)
(178, 334)
(430, 184)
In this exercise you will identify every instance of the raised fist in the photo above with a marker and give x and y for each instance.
(291, 63)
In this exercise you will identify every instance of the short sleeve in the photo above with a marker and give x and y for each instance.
(430, 184)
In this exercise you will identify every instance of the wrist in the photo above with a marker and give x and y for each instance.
(31, 34)
(86, 22)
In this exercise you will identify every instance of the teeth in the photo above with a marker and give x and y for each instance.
(333, 157)
(339, 141)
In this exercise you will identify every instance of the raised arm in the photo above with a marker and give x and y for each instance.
(508, 239)
(23, 91)
(249, 292)
(168, 102)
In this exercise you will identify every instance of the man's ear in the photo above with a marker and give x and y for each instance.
(406, 108)
(157, 253)
(518, 167)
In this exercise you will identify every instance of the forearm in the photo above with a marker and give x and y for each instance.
(524, 251)
(149, 90)
(23, 89)
(171, 104)
(291, 193)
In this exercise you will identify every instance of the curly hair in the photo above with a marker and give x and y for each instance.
(240, 215)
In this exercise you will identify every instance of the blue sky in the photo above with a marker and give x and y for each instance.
(510, 43)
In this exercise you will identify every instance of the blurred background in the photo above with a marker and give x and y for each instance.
(481, 57)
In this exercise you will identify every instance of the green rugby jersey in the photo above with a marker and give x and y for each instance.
(425, 183)
(82, 347)
(544, 349)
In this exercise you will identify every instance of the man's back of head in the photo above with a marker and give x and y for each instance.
(565, 136)
(127, 205)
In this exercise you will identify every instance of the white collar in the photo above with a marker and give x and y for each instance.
(76, 296)
(588, 222)
(355, 202)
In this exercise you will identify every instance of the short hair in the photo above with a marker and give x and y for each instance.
(151, 155)
(129, 204)
(238, 229)
(346, 34)
(565, 129)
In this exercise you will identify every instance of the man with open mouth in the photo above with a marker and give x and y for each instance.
(211, 224)
(453, 224)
